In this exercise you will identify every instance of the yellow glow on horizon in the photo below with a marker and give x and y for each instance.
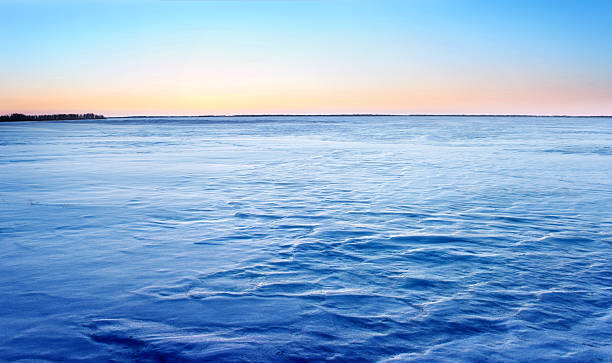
(434, 98)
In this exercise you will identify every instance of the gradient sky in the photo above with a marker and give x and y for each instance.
(196, 57)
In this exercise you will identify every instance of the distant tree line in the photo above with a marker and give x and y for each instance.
(61, 116)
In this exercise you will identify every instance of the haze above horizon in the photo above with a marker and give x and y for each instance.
(306, 57)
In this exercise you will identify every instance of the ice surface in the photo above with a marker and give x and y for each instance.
(288, 238)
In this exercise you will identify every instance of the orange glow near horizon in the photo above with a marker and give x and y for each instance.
(390, 100)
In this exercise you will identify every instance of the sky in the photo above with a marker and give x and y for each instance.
(201, 57)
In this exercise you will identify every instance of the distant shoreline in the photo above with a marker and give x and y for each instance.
(14, 117)
(91, 116)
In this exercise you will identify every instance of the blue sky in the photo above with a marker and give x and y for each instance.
(306, 56)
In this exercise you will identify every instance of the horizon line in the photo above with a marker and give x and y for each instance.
(358, 114)
(310, 115)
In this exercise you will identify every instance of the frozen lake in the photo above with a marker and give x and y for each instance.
(306, 238)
